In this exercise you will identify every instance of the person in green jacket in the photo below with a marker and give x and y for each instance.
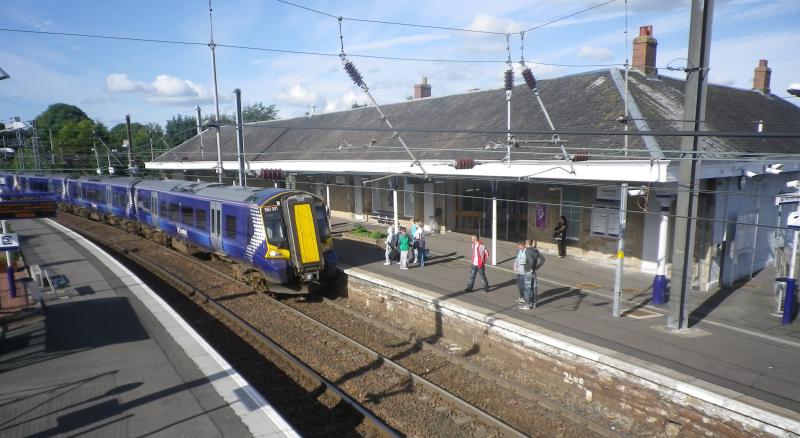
(404, 244)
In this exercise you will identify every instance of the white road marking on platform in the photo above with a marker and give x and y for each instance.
(277, 425)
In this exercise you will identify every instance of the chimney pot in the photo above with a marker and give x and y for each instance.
(422, 90)
(761, 77)
(644, 51)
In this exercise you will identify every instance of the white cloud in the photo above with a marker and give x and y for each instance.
(595, 53)
(121, 83)
(297, 95)
(490, 23)
(164, 89)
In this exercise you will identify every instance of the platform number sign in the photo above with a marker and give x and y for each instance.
(9, 242)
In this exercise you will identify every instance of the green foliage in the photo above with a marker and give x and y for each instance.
(57, 115)
(377, 234)
(179, 129)
(356, 105)
(359, 230)
(258, 112)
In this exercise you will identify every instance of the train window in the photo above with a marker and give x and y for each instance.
(200, 219)
(274, 227)
(230, 226)
(163, 207)
(173, 211)
(321, 216)
(187, 215)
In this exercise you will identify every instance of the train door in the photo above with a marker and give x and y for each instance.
(215, 233)
(109, 197)
(154, 209)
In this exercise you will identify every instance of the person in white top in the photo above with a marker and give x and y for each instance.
(389, 245)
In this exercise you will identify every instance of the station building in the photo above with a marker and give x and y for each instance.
(352, 159)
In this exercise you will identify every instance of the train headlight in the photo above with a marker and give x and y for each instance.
(273, 253)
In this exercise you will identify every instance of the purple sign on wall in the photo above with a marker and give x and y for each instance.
(541, 215)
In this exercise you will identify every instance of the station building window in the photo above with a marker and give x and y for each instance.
(571, 209)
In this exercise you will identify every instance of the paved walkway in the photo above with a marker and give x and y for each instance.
(109, 359)
(734, 341)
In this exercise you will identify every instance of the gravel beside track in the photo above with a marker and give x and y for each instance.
(408, 408)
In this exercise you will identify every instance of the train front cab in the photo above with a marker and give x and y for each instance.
(297, 231)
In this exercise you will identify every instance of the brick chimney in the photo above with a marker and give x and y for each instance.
(423, 89)
(761, 77)
(644, 51)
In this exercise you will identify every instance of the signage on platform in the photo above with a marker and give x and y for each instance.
(9, 242)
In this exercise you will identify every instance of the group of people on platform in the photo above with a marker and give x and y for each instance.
(526, 264)
(406, 246)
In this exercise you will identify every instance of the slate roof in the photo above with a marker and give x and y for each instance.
(586, 101)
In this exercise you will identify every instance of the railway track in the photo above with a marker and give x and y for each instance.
(384, 385)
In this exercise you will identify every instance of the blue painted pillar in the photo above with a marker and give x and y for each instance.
(789, 297)
(660, 282)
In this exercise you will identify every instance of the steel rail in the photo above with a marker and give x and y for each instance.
(453, 399)
(298, 365)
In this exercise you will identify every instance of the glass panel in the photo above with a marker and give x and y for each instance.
(572, 210)
(187, 215)
(321, 218)
(273, 224)
(200, 219)
(230, 226)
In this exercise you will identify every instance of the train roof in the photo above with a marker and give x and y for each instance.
(40, 175)
(125, 181)
(212, 190)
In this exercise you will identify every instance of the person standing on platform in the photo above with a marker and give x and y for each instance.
(390, 248)
(533, 261)
(419, 244)
(519, 268)
(404, 242)
(560, 236)
(478, 254)
(412, 255)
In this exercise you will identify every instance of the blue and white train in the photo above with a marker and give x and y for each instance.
(280, 237)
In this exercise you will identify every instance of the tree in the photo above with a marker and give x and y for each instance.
(258, 112)
(356, 105)
(75, 140)
(179, 129)
(57, 115)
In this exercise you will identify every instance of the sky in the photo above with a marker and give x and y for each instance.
(155, 81)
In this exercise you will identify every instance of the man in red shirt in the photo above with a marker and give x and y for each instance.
(478, 254)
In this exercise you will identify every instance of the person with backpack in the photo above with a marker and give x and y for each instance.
(478, 254)
(419, 244)
(533, 261)
(523, 283)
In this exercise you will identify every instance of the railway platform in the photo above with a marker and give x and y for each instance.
(109, 358)
(735, 343)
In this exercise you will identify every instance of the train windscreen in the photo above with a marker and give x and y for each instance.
(321, 219)
(273, 226)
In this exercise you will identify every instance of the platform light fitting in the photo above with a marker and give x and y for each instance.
(773, 169)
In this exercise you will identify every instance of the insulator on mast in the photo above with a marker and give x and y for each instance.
(354, 74)
(509, 80)
(527, 74)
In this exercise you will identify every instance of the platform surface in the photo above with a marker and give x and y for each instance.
(734, 340)
(108, 359)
